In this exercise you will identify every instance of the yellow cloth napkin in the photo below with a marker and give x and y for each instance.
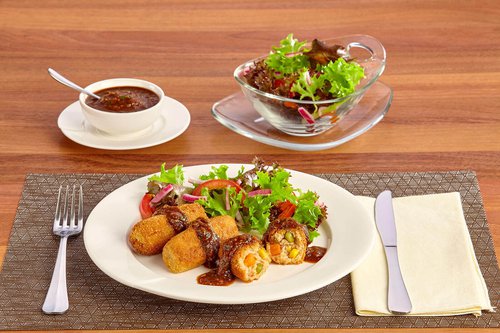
(436, 257)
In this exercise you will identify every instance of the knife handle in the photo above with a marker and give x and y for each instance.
(398, 298)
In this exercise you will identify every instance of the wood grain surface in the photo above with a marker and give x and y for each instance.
(443, 65)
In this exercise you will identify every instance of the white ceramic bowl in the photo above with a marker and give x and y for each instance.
(116, 123)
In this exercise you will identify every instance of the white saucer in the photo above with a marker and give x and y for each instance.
(174, 120)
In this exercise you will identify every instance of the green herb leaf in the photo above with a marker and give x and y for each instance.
(174, 175)
(288, 58)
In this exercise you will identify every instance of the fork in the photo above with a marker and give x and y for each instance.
(66, 223)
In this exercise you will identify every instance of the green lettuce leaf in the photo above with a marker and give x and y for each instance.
(258, 213)
(307, 211)
(174, 175)
(215, 202)
(343, 76)
(216, 173)
(221, 173)
(288, 58)
(257, 217)
(307, 85)
(281, 189)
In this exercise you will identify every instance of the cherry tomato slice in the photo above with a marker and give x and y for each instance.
(144, 208)
(278, 83)
(287, 209)
(216, 184)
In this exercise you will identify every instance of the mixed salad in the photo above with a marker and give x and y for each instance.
(291, 70)
(253, 197)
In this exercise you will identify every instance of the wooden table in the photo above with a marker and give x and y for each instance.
(443, 64)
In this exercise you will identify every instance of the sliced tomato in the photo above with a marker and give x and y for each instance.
(216, 184)
(144, 208)
(278, 83)
(287, 209)
(291, 105)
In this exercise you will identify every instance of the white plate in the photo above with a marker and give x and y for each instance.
(174, 120)
(348, 236)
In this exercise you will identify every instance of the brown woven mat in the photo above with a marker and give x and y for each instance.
(98, 302)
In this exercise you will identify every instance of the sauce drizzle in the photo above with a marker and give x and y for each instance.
(209, 240)
(175, 217)
(222, 275)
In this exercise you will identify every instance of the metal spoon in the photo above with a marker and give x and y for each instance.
(61, 79)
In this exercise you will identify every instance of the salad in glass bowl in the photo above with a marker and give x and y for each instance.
(303, 88)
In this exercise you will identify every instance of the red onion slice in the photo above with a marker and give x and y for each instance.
(163, 192)
(195, 181)
(292, 54)
(259, 192)
(306, 115)
(228, 206)
(192, 198)
(308, 77)
(238, 217)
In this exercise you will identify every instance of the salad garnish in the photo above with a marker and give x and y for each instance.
(165, 188)
(253, 197)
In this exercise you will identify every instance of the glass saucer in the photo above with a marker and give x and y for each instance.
(236, 113)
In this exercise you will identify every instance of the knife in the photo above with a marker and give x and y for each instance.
(398, 300)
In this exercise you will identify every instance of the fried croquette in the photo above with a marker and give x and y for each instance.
(149, 236)
(198, 243)
(286, 241)
(250, 261)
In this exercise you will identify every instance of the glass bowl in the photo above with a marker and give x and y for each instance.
(285, 113)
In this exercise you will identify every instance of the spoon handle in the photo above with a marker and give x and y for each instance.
(61, 79)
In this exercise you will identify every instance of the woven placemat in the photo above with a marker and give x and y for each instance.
(99, 302)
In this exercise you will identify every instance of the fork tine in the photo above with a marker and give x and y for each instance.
(72, 214)
(57, 216)
(80, 210)
(65, 214)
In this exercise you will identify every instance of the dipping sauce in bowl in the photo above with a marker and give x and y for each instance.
(128, 107)
(123, 99)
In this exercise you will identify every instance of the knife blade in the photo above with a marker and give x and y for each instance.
(398, 300)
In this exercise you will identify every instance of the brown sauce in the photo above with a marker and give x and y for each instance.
(175, 217)
(314, 253)
(209, 240)
(123, 99)
(213, 278)
(222, 275)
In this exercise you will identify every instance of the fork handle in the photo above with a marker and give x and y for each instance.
(56, 301)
